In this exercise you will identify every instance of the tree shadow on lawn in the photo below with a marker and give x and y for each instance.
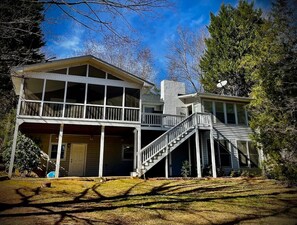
(168, 196)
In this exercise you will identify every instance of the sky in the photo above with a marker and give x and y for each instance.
(64, 37)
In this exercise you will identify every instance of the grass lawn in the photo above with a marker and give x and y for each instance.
(135, 201)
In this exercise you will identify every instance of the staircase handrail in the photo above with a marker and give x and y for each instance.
(165, 137)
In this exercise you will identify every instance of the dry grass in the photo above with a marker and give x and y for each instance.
(133, 201)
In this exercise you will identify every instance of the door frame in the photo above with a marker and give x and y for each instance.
(85, 156)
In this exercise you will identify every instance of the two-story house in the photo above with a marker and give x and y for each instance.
(94, 119)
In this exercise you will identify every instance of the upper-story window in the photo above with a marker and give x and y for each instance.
(230, 113)
(83, 70)
(95, 72)
(33, 89)
(225, 112)
(219, 106)
(78, 70)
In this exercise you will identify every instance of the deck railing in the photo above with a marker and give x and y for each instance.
(160, 120)
(78, 111)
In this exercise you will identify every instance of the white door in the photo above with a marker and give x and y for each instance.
(77, 160)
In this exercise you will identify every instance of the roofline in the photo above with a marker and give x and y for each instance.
(85, 57)
(216, 96)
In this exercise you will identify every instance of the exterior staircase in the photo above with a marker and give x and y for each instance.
(154, 152)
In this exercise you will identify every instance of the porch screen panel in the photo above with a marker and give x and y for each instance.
(54, 91)
(220, 111)
(230, 113)
(75, 92)
(59, 71)
(33, 89)
(132, 97)
(95, 94)
(241, 114)
(114, 96)
(95, 72)
(242, 152)
(254, 156)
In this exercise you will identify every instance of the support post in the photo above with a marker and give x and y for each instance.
(198, 156)
(135, 150)
(190, 158)
(12, 156)
(59, 150)
(101, 153)
(213, 157)
(139, 150)
(166, 158)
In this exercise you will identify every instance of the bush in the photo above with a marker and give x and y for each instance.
(185, 170)
(27, 155)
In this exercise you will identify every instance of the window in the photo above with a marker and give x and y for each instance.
(224, 152)
(112, 77)
(230, 113)
(220, 111)
(208, 107)
(148, 109)
(114, 96)
(75, 92)
(248, 154)
(95, 94)
(54, 91)
(127, 152)
(59, 71)
(132, 97)
(94, 72)
(33, 89)
(241, 114)
(78, 70)
(54, 151)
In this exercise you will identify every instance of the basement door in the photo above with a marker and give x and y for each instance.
(77, 161)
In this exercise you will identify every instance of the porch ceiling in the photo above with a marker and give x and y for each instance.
(73, 129)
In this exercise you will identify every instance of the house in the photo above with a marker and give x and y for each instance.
(94, 119)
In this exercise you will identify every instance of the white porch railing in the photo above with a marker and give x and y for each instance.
(160, 120)
(78, 111)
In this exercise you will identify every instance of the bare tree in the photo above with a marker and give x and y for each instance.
(125, 54)
(103, 15)
(184, 55)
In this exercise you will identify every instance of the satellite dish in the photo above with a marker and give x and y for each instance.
(221, 83)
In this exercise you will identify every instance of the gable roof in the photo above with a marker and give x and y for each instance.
(80, 60)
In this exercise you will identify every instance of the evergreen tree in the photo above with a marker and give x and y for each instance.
(20, 41)
(274, 71)
(231, 33)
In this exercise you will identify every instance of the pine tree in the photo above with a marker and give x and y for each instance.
(20, 40)
(231, 33)
(274, 110)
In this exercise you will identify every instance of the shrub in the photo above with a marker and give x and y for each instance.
(27, 154)
(185, 170)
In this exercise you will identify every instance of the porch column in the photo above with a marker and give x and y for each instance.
(213, 157)
(198, 156)
(59, 150)
(15, 137)
(101, 153)
(138, 150)
(167, 157)
(170, 163)
(190, 158)
(135, 150)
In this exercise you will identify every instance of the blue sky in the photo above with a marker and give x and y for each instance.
(64, 37)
